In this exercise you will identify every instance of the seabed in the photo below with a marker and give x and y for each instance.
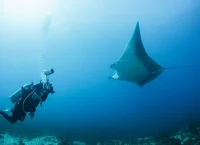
(189, 135)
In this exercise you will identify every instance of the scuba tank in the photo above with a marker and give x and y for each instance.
(18, 94)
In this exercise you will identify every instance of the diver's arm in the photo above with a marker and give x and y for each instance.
(32, 110)
(44, 96)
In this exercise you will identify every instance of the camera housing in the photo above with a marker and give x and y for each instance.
(48, 72)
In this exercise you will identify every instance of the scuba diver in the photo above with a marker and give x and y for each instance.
(27, 98)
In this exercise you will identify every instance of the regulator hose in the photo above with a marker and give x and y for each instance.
(25, 100)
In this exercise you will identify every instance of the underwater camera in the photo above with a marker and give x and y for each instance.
(48, 72)
(47, 86)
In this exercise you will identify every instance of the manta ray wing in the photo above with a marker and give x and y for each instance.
(135, 65)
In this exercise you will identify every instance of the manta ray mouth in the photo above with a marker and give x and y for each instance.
(116, 76)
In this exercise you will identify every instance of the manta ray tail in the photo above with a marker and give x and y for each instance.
(179, 67)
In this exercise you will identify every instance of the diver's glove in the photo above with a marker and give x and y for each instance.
(41, 103)
(32, 115)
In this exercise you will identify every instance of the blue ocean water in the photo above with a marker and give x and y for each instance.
(80, 40)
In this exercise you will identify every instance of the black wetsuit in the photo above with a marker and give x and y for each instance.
(19, 112)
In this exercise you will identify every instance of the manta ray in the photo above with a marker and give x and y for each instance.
(135, 65)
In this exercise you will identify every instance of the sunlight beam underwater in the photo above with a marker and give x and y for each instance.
(135, 65)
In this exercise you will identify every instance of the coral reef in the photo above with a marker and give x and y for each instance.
(8, 139)
(190, 135)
